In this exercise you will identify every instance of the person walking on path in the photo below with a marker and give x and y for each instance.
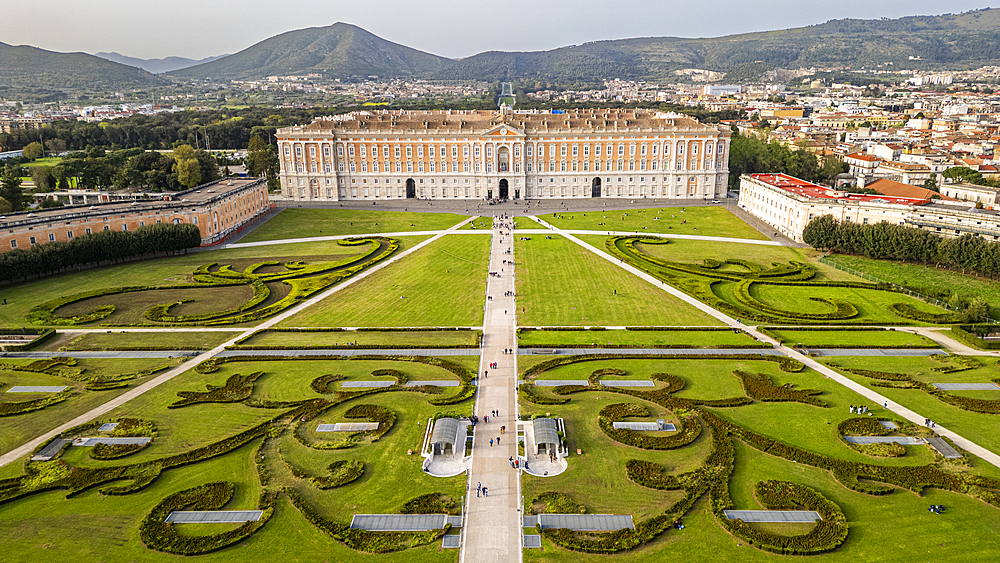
(498, 440)
(479, 488)
(491, 442)
(486, 492)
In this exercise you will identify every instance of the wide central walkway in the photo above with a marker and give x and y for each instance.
(492, 529)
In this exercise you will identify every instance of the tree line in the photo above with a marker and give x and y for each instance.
(968, 253)
(103, 246)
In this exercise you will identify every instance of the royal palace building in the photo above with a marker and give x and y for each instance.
(610, 153)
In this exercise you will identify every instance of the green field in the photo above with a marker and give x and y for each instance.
(302, 223)
(17, 429)
(560, 283)
(928, 280)
(852, 339)
(443, 284)
(872, 305)
(390, 478)
(163, 271)
(596, 478)
(633, 338)
(362, 339)
(707, 221)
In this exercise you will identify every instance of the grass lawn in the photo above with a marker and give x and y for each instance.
(147, 340)
(875, 522)
(17, 429)
(391, 477)
(925, 279)
(361, 339)
(480, 224)
(708, 221)
(442, 284)
(851, 339)
(872, 305)
(632, 338)
(559, 283)
(47, 161)
(300, 223)
(162, 271)
(978, 427)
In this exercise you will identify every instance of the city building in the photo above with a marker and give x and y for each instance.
(986, 195)
(219, 209)
(787, 205)
(617, 153)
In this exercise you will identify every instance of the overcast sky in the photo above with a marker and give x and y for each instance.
(452, 28)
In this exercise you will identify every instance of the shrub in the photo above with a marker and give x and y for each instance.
(556, 503)
(341, 473)
(908, 311)
(322, 383)
(761, 387)
(529, 393)
(237, 388)
(430, 503)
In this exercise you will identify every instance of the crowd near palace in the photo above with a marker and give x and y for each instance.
(443, 155)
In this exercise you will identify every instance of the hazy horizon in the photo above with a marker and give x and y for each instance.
(122, 26)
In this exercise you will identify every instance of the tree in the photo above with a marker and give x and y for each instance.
(186, 166)
(963, 174)
(5, 206)
(256, 157)
(188, 172)
(32, 150)
(931, 184)
(10, 186)
(42, 176)
(819, 233)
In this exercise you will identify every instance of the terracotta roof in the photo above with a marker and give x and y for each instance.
(898, 189)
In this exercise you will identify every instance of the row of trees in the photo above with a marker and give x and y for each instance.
(967, 253)
(749, 154)
(102, 246)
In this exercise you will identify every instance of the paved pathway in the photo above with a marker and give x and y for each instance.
(877, 398)
(492, 531)
(26, 448)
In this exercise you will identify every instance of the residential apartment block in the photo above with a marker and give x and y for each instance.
(616, 153)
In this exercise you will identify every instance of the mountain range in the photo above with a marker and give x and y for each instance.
(155, 66)
(343, 50)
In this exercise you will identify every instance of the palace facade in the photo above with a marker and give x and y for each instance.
(609, 153)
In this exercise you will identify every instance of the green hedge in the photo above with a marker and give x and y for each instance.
(529, 393)
(910, 312)
(161, 536)
(785, 363)
(969, 334)
(761, 387)
(341, 473)
(902, 380)
(689, 431)
(21, 407)
(556, 503)
(237, 388)
(322, 383)
(430, 503)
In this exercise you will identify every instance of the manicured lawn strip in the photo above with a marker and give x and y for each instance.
(364, 338)
(300, 223)
(115, 340)
(561, 284)
(975, 426)
(852, 339)
(633, 338)
(928, 280)
(17, 429)
(163, 271)
(443, 284)
(708, 221)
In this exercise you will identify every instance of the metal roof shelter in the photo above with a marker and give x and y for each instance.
(545, 431)
(445, 435)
